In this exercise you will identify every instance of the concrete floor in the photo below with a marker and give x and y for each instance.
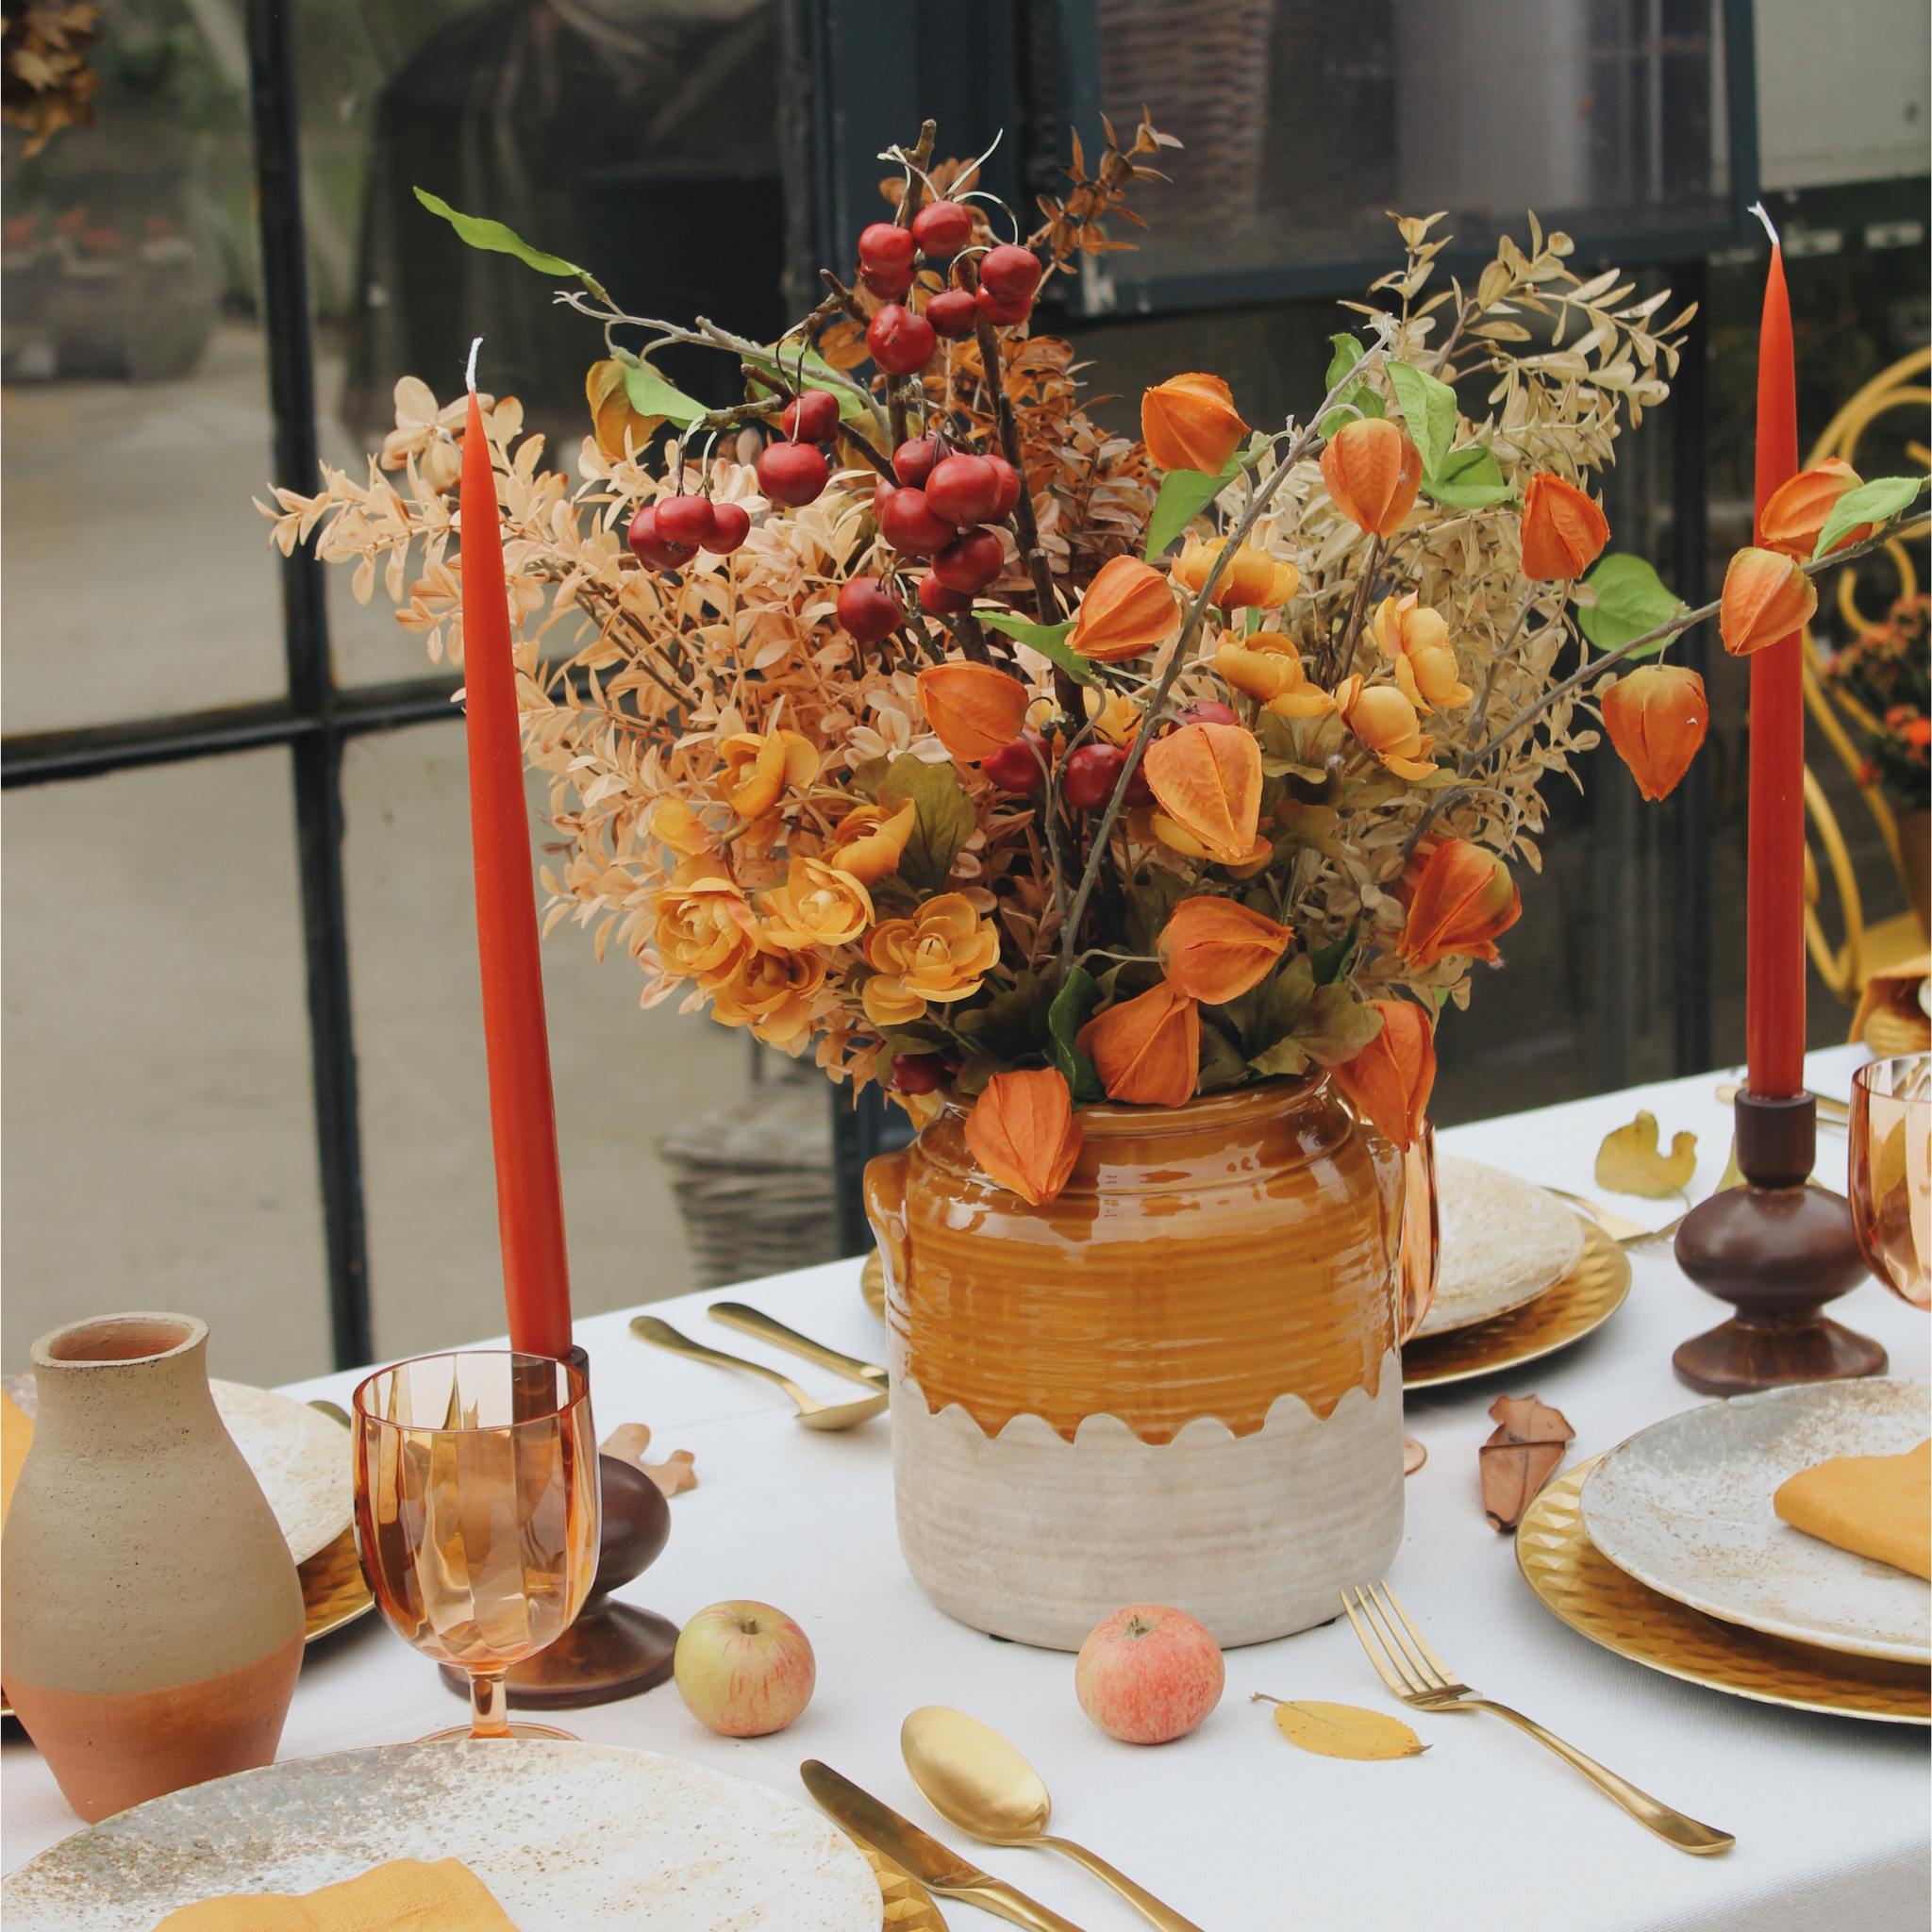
(159, 1146)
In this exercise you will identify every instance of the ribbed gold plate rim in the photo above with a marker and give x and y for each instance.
(1582, 1302)
(1573, 1578)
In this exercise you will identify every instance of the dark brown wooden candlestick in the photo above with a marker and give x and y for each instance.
(1779, 1249)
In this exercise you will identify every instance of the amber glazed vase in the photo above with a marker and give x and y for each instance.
(153, 1617)
(1177, 1383)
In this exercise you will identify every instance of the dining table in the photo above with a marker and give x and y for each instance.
(1234, 1825)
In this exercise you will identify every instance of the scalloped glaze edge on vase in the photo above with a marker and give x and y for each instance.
(1027, 1536)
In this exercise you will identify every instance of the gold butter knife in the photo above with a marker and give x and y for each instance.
(936, 1867)
(756, 1321)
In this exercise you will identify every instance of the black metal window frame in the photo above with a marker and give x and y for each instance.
(843, 51)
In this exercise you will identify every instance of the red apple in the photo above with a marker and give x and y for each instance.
(1091, 774)
(936, 600)
(743, 1669)
(1148, 1674)
(1019, 765)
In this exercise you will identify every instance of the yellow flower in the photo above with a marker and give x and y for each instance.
(1418, 642)
(1385, 721)
(759, 767)
(771, 994)
(1116, 716)
(705, 928)
(942, 952)
(818, 905)
(1269, 667)
(1251, 580)
(872, 840)
(676, 826)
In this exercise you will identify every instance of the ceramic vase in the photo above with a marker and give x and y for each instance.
(152, 1616)
(1178, 1383)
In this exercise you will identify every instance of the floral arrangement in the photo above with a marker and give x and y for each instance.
(47, 81)
(903, 712)
(1884, 674)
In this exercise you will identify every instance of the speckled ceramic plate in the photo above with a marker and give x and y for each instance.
(569, 1838)
(1504, 1242)
(1685, 1507)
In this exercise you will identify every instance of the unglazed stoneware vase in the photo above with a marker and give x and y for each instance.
(152, 1616)
(1177, 1383)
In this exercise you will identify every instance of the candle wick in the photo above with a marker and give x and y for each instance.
(470, 374)
(1758, 209)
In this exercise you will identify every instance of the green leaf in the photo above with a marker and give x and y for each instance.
(651, 395)
(784, 364)
(1336, 1025)
(481, 232)
(869, 777)
(1184, 493)
(1348, 352)
(1150, 904)
(1072, 1007)
(1428, 407)
(1049, 639)
(1630, 600)
(1011, 1025)
(1470, 479)
(1870, 503)
(1331, 961)
(1220, 1062)
(944, 819)
(1267, 1016)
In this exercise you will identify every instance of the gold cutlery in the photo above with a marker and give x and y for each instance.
(813, 1414)
(755, 1322)
(1620, 1227)
(334, 1413)
(1831, 1113)
(1422, 1680)
(972, 1776)
(936, 1866)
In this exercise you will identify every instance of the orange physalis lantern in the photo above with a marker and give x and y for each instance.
(1372, 471)
(1563, 531)
(1208, 779)
(1024, 1134)
(1148, 1051)
(1463, 898)
(1766, 597)
(1128, 609)
(974, 709)
(1656, 717)
(1391, 1079)
(1216, 950)
(1797, 510)
(1190, 423)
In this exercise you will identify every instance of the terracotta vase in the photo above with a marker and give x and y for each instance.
(152, 1616)
(1177, 1383)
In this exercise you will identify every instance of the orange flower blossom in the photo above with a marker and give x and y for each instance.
(1563, 531)
(1657, 716)
(1216, 949)
(1391, 1079)
(1416, 639)
(940, 953)
(1147, 1051)
(1463, 898)
(705, 930)
(818, 905)
(1190, 423)
(1795, 513)
(761, 767)
(1385, 721)
(772, 993)
(974, 709)
(1128, 609)
(871, 841)
(1371, 472)
(1208, 779)
(1765, 598)
(1268, 666)
(1024, 1132)
(1252, 580)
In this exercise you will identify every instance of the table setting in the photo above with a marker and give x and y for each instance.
(1093, 1551)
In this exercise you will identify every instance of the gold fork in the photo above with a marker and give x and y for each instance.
(1415, 1674)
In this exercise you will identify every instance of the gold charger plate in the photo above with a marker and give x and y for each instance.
(1582, 1302)
(1573, 1578)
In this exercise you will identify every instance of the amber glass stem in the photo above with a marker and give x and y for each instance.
(489, 1704)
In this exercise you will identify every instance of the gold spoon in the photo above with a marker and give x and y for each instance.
(813, 1414)
(972, 1776)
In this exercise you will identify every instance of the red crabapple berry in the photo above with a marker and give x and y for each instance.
(913, 459)
(917, 1073)
(887, 249)
(1002, 314)
(953, 313)
(652, 550)
(1008, 273)
(900, 342)
(907, 523)
(1208, 711)
(942, 228)
(963, 489)
(730, 526)
(1010, 490)
(936, 601)
(971, 561)
(687, 520)
(811, 417)
(1016, 766)
(792, 473)
(868, 609)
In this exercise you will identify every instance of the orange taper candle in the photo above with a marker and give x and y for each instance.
(523, 1115)
(1775, 962)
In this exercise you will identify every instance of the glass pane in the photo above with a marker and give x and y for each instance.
(1605, 117)
(158, 1120)
(130, 353)
(623, 1078)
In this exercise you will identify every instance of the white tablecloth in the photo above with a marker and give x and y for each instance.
(1233, 1825)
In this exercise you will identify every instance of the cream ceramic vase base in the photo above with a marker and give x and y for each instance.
(1177, 1383)
(154, 1620)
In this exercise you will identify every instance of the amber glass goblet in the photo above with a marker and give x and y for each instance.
(1890, 1174)
(477, 1512)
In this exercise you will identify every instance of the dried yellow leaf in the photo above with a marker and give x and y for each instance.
(1344, 1730)
(1628, 1162)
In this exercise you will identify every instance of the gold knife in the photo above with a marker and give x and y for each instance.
(933, 1864)
(756, 1321)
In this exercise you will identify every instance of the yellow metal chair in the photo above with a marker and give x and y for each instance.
(1894, 949)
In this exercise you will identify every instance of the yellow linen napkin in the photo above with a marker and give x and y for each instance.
(16, 1438)
(1874, 1506)
(405, 1895)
